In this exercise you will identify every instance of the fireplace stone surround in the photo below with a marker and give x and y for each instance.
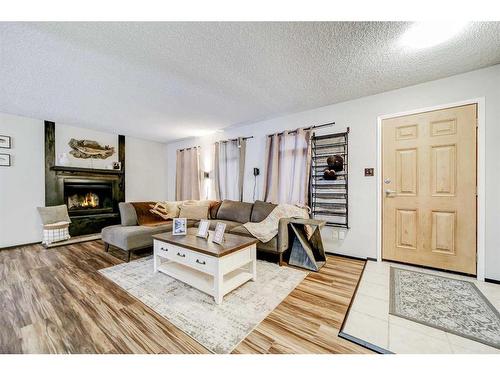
(103, 189)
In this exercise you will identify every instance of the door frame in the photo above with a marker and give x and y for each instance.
(481, 175)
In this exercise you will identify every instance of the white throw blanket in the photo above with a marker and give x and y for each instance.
(268, 228)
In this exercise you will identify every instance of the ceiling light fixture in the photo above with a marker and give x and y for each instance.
(430, 33)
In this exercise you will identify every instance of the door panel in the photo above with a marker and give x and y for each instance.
(443, 170)
(406, 229)
(429, 200)
(443, 232)
(406, 171)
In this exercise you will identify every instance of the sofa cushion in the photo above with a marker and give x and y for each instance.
(235, 211)
(261, 210)
(128, 215)
(132, 237)
(229, 224)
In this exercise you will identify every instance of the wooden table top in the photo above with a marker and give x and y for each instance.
(232, 242)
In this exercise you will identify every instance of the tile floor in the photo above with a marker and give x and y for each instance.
(370, 321)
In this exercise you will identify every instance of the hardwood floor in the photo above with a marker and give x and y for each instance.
(55, 301)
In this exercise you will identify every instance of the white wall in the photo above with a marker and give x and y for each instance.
(63, 135)
(22, 186)
(145, 171)
(361, 116)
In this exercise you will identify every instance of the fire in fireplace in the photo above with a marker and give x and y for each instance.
(85, 197)
(79, 201)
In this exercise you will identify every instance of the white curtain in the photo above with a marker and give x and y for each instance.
(229, 167)
(288, 164)
(187, 177)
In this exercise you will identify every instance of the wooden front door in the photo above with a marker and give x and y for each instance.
(429, 189)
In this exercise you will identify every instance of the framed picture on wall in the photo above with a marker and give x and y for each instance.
(4, 160)
(5, 141)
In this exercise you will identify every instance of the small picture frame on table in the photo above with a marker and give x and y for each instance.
(4, 160)
(203, 229)
(5, 141)
(219, 233)
(180, 226)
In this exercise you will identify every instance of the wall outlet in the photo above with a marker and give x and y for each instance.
(341, 235)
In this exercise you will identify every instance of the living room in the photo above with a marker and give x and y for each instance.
(318, 187)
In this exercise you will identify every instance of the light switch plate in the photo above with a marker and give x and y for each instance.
(341, 235)
(335, 234)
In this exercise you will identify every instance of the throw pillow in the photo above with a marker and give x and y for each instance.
(167, 210)
(54, 214)
(194, 212)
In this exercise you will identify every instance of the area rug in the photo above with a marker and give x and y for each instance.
(220, 328)
(451, 305)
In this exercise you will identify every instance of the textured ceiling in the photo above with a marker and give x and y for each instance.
(166, 81)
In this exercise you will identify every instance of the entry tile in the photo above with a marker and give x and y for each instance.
(367, 328)
(406, 341)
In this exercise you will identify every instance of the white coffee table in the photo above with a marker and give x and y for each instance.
(214, 269)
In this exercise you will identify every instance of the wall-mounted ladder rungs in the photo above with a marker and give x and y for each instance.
(329, 199)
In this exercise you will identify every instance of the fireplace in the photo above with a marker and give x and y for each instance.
(91, 195)
(88, 197)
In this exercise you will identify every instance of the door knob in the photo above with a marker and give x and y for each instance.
(389, 192)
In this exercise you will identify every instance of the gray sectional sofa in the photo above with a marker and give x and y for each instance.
(129, 236)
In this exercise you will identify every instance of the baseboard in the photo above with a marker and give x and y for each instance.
(20, 245)
(345, 256)
(493, 281)
(75, 240)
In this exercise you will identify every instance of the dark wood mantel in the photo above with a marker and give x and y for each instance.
(85, 170)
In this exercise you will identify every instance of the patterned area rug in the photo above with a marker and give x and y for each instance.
(220, 328)
(451, 305)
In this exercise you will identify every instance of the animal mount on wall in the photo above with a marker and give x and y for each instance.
(85, 149)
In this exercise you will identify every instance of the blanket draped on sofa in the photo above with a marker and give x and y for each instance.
(268, 228)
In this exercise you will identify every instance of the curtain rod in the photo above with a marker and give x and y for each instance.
(187, 148)
(235, 139)
(309, 128)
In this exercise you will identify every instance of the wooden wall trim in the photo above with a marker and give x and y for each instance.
(121, 159)
(51, 193)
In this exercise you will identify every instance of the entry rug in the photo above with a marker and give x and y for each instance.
(454, 306)
(220, 328)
